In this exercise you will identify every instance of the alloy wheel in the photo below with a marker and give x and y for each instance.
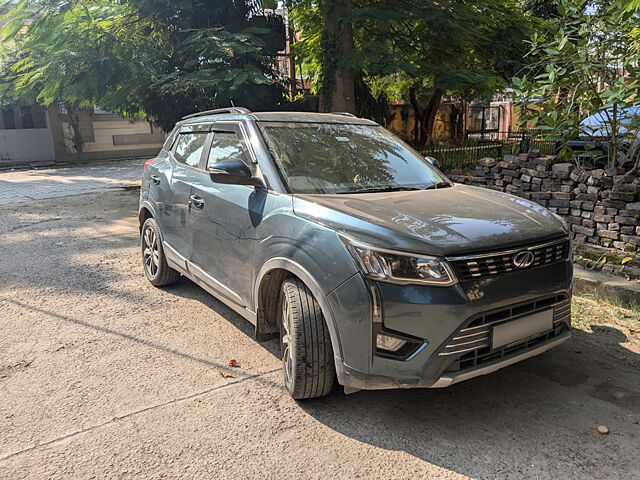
(285, 341)
(151, 253)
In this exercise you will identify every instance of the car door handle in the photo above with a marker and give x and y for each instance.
(196, 201)
(155, 179)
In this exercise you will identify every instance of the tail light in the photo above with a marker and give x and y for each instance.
(149, 161)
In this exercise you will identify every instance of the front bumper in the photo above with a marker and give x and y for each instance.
(436, 316)
(449, 379)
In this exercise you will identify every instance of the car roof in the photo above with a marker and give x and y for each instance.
(624, 114)
(307, 117)
(284, 117)
(596, 124)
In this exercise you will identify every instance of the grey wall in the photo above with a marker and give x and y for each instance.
(32, 145)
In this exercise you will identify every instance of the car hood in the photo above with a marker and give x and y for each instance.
(446, 221)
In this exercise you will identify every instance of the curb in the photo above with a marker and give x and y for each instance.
(614, 290)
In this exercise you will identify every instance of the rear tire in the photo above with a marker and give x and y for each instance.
(307, 355)
(155, 264)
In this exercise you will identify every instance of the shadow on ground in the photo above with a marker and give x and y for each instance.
(532, 420)
(535, 419)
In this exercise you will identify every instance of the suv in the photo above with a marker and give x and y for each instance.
(370, 265)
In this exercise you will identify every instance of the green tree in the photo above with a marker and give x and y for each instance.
(212, 54)
(631, 5)
(465, 49)
(586, 63)
(162, 59)
(420, 50)
(546, 9)
(324, 52)
(63, 57)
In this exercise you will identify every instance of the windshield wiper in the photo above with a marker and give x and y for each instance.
(438, 185)
(383, 188)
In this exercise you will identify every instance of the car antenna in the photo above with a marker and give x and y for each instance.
(232, 103)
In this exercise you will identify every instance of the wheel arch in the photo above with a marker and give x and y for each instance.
(146, 211)
(267, 294)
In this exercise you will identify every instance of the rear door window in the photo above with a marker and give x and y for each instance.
(168, 143)
(189, 147)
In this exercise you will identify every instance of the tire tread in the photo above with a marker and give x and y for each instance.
(314, 372)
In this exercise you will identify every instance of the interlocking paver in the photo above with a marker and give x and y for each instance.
(28, 185)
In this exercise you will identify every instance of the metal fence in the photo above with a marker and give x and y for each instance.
(464, 154)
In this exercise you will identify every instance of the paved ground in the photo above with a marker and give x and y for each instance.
(28, 185)
(104, 376)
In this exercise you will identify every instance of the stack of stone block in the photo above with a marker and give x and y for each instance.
(600, 206)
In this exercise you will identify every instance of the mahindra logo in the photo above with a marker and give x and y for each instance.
(523, 259)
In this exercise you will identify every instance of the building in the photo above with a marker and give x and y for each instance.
(36, 135)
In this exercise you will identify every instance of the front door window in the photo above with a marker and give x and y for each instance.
(227, 146)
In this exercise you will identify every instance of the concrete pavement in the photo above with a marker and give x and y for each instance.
(104, 376)
(27, 185)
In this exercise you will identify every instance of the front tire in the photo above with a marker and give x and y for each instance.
(307, 355)
(155, 264)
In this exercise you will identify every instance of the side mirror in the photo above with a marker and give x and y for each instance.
(234, 172)
(432, 161)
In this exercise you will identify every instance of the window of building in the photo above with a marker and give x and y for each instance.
(19, 118)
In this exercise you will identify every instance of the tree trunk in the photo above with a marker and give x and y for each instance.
(74, 122)
(461, 119)
(418, 114)
(425, 116)
(337, 93)
(430, 116)
(292, 61)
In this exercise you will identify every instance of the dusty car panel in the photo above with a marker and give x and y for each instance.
(398, 276)
(443, 221)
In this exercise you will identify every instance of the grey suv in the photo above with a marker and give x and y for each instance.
(370, 265)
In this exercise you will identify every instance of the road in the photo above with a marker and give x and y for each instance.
(104, 376)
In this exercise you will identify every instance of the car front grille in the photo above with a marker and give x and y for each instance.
(477, 266)
(470, 346)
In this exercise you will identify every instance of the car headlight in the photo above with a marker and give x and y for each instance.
(399, 267)
(565, 226)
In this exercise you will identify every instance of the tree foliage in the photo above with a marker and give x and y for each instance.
(587, 62)
(167, 59)
(163, 59)
(65, 55)
(422, 50)
(546, 9)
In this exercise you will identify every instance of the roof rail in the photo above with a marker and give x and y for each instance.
(344, 114)
(218, 110)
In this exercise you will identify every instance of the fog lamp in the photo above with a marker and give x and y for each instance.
(392, 344)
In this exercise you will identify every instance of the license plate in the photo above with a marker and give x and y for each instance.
(522, 328)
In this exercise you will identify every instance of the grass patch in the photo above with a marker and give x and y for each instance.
(589, 311)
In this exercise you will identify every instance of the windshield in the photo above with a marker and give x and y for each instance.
(338, 158)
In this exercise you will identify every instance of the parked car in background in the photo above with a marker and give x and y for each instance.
(593, 147)
(367, 262)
